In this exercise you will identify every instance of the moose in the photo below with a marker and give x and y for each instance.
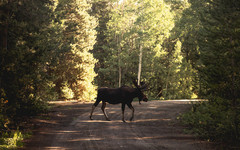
(123, 95)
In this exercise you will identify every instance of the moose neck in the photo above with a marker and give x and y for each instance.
(136, 93)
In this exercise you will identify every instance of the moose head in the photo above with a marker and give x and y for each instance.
(143, 87)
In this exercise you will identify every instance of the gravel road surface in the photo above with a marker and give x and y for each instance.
(155, 127)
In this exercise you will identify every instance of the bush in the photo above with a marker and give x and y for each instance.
(67, 91)
(11, 140)
(214, 120)
(3, 118)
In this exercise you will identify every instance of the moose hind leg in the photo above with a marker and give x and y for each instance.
(104, 112)
(123, 109)
(131, 107)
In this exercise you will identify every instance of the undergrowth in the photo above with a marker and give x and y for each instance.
(12, 139)
(214, 121)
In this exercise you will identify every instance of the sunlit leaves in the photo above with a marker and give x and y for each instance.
(75, 72)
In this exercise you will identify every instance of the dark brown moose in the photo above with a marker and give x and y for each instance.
(123, 95)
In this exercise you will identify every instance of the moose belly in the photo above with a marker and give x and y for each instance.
(114, 101)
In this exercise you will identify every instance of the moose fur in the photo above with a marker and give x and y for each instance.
(123, 95)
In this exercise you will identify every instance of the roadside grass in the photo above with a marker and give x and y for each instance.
(13, 139)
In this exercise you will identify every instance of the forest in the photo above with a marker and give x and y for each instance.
(66, 49)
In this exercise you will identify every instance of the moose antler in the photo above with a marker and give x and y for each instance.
(135, 83)
(144, 86)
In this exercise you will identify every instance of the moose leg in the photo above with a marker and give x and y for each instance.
(93, 107)
(104, 112)
(123, 108)
(131, 107)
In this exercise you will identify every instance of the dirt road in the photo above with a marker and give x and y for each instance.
(155, 127)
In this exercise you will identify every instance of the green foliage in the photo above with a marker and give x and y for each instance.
(132, 25)
(22, 77)
(44, 53)
(219, 47)
(74, 70)
(3, 117)
(217, 50)
(12, 140)
(67, 92)
(49, 48)
(101, 11)
(213, 121)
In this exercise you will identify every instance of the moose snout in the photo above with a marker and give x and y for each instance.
(145, 99)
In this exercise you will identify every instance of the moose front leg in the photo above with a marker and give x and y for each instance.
(104, 112)
(131, 107)
(93, 107)
(123, 108)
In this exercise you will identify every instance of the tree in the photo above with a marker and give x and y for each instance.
(219, 47)
(22, 78)
(75, 68)
(178, 77)
(44, 53)
(101, 10)
(134, 26)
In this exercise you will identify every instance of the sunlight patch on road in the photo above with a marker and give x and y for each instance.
(98, 121)
(120, 121)
(68, 131)
(85, 139)
(56, 148)
(98, 114)
(47, 121)
(152, 107)
(187, 100)
(69, 101)
(59, 132)
(149, 120)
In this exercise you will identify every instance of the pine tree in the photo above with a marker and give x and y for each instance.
(101, 10)
(75, 68)
(219, 47)
(24, 26)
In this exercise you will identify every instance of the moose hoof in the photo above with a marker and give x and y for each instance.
(131, 119)
(108, 119)
(124, 121)
(91, 118)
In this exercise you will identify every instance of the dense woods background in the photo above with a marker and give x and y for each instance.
(65, 49)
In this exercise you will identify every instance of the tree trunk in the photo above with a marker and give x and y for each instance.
(119, 73)
(119, 64)
(140, 65)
